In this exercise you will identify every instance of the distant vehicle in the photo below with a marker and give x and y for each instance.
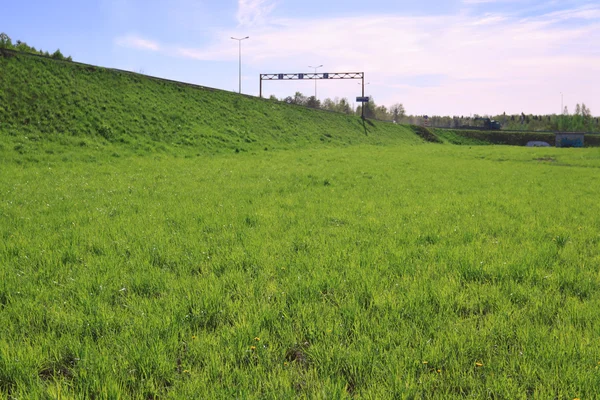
(490, 124)
(535, 143)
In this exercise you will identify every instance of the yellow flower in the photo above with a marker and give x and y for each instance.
(425, 362)
(252, 348)
(186, 371)
(285, 364)
(194, 337)
(257, 339)
(478, 364)
(439, 371)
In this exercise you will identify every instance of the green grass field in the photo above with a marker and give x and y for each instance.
(164, 242)
(426, 271)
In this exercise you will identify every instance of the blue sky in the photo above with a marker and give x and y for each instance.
(456, 57)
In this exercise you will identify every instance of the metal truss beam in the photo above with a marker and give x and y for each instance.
(311, 76)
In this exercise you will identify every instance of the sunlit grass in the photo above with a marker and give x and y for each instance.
(411, 272)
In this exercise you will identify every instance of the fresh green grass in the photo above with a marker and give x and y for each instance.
(425, 271)
(62, 104)
(150, 248)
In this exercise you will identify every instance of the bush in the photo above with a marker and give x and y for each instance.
(57, 55)
(106, 132)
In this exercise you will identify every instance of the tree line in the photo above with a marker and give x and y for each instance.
(581, 120)
(395, 113)
(7, 43)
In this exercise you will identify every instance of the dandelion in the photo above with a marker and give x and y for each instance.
(439, 371)
(285, 364)
(425, 362)
(252, 348)
(257, 339)
(186, 371)
(478, 364)
(194, 337)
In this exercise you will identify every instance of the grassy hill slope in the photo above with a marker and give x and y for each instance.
(48, 100)
(474, 137)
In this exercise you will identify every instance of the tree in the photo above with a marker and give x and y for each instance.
(398, 112)
(585, 112)
(329, 105)
(343, 106)
(312, 102)
(5, 41)
(299, 99)
(273, 98)
(566, 111)
(57, 55)
(369, 109)
(381, 113)
(577, 109)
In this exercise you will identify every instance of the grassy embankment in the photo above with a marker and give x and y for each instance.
(425, 271)
(474, 137)
(53, 106)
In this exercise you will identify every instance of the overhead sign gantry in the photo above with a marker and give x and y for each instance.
(313, 76)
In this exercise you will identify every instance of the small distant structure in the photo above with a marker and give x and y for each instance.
(570, 139)
(536, 143)
(425, 121)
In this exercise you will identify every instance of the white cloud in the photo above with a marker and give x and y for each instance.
(435, 64)
(254, 12)
(136, 42)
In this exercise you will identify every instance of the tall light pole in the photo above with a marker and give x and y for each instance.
(240, 43)
(316, 68)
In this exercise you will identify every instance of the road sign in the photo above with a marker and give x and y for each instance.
(363, 99)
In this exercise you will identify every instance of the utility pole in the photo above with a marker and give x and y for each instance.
(320, 66)
(240, 44)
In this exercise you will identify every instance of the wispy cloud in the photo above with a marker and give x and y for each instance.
(254, 12)
(137, 42)
(493, 60)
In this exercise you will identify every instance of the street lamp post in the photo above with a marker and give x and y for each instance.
(240, 44)
(320, 66)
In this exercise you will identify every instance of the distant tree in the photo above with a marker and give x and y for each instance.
(369, 109)
(5, 41)
(273, 98)
(577, 109)
(398, 112)
(344, 106)
(299, 99)
(381, 113)
(566, 111)
(329, 105)
(312, 102)
(57, 55)
(585, 112)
